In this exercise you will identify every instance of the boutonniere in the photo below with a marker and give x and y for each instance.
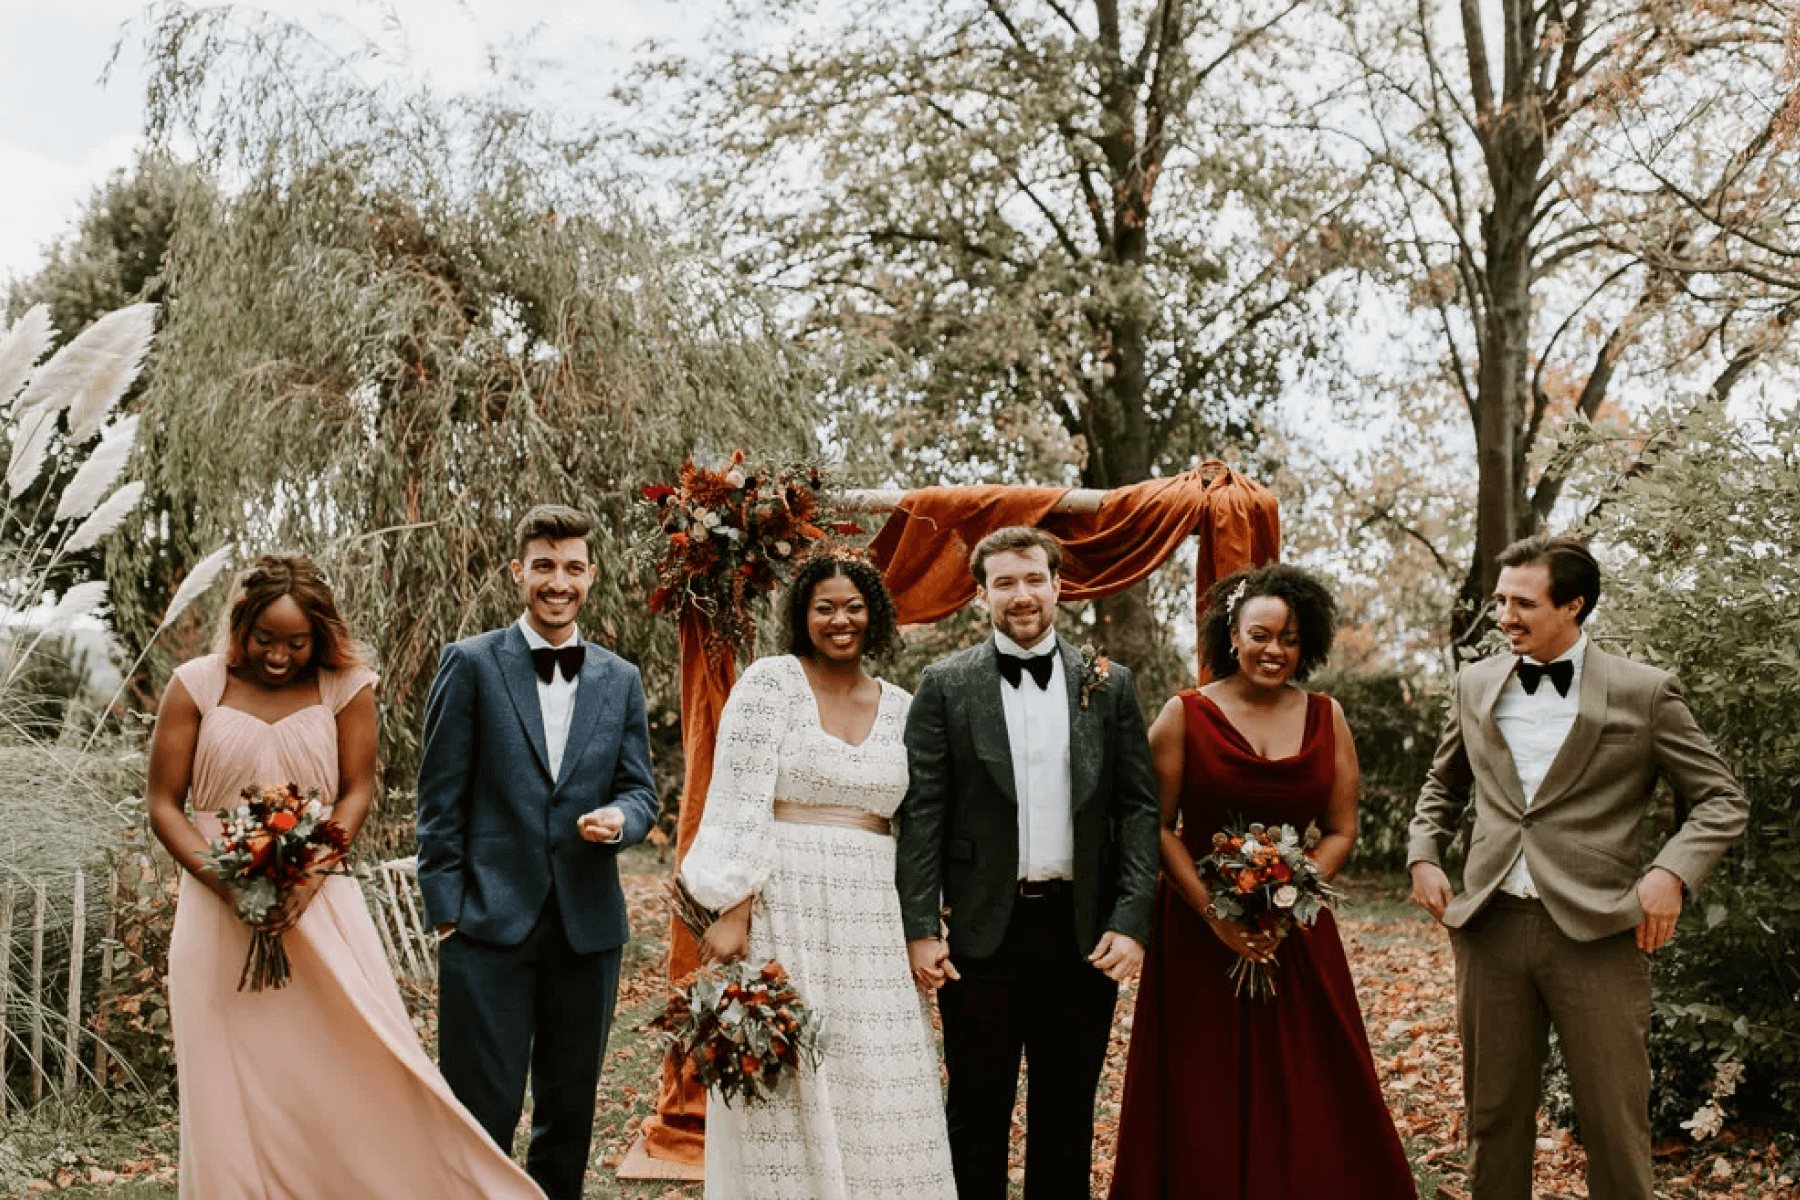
(1096, 673)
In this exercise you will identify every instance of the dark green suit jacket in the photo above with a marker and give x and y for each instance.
(959, 823)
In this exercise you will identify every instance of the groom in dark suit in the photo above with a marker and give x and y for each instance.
(1560, 745)
(535, 772)
(1029, 831)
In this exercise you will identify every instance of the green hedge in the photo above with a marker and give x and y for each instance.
(1396, 720)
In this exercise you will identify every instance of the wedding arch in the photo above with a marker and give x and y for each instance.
(1111, 540)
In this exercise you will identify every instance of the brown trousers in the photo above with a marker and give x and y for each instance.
(1517, 975)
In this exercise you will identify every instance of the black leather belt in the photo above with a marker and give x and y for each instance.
(1043, 889)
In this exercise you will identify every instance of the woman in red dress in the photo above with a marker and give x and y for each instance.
(1231, 1097)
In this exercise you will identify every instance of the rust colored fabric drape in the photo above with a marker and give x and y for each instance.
(923, 550)
(676, 1132)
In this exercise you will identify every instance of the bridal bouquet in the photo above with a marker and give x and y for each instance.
(1264, 876)
(744, 1030)
(275, 839)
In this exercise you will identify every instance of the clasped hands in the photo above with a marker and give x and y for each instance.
(1117, 957)
(285, 915)
(1659, 895)
(1254, 942)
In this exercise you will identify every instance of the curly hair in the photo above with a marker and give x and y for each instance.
(1306, 597)
(883, 636)
(270, 578)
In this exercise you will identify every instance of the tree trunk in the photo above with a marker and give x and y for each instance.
(1126, 629)
(1512, 141)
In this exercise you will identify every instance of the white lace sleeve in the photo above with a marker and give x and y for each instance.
(733, 851)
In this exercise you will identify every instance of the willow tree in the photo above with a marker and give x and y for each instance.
(1583, 193)
(416, 316)
(1055, 230)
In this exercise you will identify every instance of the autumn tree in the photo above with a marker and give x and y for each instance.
(1050, 240)
(1581, 193)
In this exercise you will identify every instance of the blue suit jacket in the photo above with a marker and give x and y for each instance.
(495, 830)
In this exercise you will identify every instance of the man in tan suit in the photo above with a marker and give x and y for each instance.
(1561, 745)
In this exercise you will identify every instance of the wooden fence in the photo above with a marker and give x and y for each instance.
(45, 954)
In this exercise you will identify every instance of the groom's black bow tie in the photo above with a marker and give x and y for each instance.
(1013, 668)
(547, 658)
(1560, 673)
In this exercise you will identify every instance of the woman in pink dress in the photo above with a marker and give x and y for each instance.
(319, 1088)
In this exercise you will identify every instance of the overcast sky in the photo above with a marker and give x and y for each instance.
(62, 132)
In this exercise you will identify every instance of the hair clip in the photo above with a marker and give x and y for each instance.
(1237, 593)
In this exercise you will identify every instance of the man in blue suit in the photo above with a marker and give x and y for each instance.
(535, 773)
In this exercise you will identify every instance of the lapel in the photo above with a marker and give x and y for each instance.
(1577, 749)
(1085, 731)
(591, 701)
(1505, 770)
(521, 685)
(987, 719)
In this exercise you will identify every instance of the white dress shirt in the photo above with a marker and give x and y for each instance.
(1037, 727)
(556, 699)
(1535, 727)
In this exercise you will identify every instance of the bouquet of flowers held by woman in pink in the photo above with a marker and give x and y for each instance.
(273, 842)
(1264, 876)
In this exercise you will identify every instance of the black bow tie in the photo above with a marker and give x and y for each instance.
(1013, 668)
(545, 660)
(1561, 673)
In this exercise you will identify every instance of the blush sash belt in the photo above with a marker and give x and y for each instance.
(796, 813)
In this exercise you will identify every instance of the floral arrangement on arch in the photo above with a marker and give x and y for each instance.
(731, 534)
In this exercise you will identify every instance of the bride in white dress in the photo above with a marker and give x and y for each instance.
(794, 850)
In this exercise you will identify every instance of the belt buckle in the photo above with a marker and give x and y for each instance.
(1037, 889)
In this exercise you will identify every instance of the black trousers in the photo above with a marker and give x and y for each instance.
(1037, 995)
(537, 1009)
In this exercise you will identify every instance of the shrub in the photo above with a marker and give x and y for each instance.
(1702, 580)
(1396, 720)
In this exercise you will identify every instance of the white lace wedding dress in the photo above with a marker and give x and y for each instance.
(869, 1122)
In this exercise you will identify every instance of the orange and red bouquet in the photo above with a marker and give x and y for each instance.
(730, 534)
(744, 1029)
(276, 839)
(1264, 876)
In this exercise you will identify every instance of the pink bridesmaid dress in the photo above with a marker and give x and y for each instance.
(318, 1089)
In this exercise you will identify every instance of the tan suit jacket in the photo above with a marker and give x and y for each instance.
(1583, 834)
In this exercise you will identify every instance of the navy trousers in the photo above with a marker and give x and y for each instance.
(536, 1010)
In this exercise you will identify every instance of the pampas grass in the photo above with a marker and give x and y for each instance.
(204, 575)
(31, 445)
(106, 518)
(99, 472)
(91, 373)
(23, 345)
